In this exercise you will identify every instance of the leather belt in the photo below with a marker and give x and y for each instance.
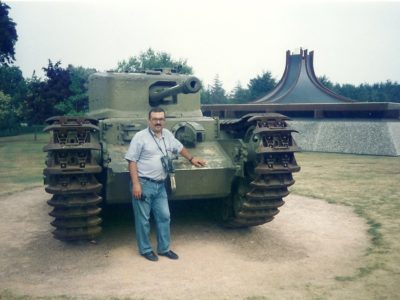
(153, 180)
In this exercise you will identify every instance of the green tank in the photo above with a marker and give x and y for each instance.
(250, 160)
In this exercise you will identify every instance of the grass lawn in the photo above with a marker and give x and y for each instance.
(22, 162)
(371, 186)
(368, 184)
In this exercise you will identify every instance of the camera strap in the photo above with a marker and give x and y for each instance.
(159, 148)
(171, 175)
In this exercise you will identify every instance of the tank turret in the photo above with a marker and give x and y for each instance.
(123, 95)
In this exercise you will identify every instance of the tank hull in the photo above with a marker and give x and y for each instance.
(212, 181)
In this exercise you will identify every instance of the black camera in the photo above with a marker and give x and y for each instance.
(167, 164)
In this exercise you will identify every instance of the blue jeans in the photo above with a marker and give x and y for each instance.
(156, 201)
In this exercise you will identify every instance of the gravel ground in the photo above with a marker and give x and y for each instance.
(305, 247)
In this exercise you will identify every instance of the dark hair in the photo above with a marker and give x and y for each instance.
(156, 110)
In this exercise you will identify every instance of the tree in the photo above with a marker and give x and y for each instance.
(392, 91)
(44, 96)
(8, 35)
(214, 93)
(347, 90)
(205, 96)
(239, 94)
(261, 85)
(36, 109)
(78, 102)
(378, 92)
(150, 59)
(63, 92)
(8, 117)
(56, 88)
(324, 80)
(13, 84)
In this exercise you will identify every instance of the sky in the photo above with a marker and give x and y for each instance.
(353, 41)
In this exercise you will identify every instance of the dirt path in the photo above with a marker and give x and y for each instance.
(307, 245)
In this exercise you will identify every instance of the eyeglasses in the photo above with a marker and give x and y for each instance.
(155, 120)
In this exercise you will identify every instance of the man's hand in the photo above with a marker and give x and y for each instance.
(137, 191)
(198, 162)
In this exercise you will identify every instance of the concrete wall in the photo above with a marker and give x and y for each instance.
(349, 136)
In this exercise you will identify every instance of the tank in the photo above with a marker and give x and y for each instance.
(249, 168)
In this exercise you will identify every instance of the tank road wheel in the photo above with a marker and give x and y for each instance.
(243, 208)
(268, 173)
(252, 142)
(71, 166)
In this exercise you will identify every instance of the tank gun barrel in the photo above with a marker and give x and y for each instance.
(190, 86)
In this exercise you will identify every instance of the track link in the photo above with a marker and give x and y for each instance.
(256, 198)
(70, 175)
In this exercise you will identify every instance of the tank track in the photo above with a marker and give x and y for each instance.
(255, 199)
(70, 176)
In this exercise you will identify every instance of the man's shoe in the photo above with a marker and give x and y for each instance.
(170, 254)
(150, 256)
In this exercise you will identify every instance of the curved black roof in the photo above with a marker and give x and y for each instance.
(299, 84)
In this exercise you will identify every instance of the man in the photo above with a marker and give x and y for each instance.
(148, 173)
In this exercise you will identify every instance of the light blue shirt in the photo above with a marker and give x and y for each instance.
(147, 151)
